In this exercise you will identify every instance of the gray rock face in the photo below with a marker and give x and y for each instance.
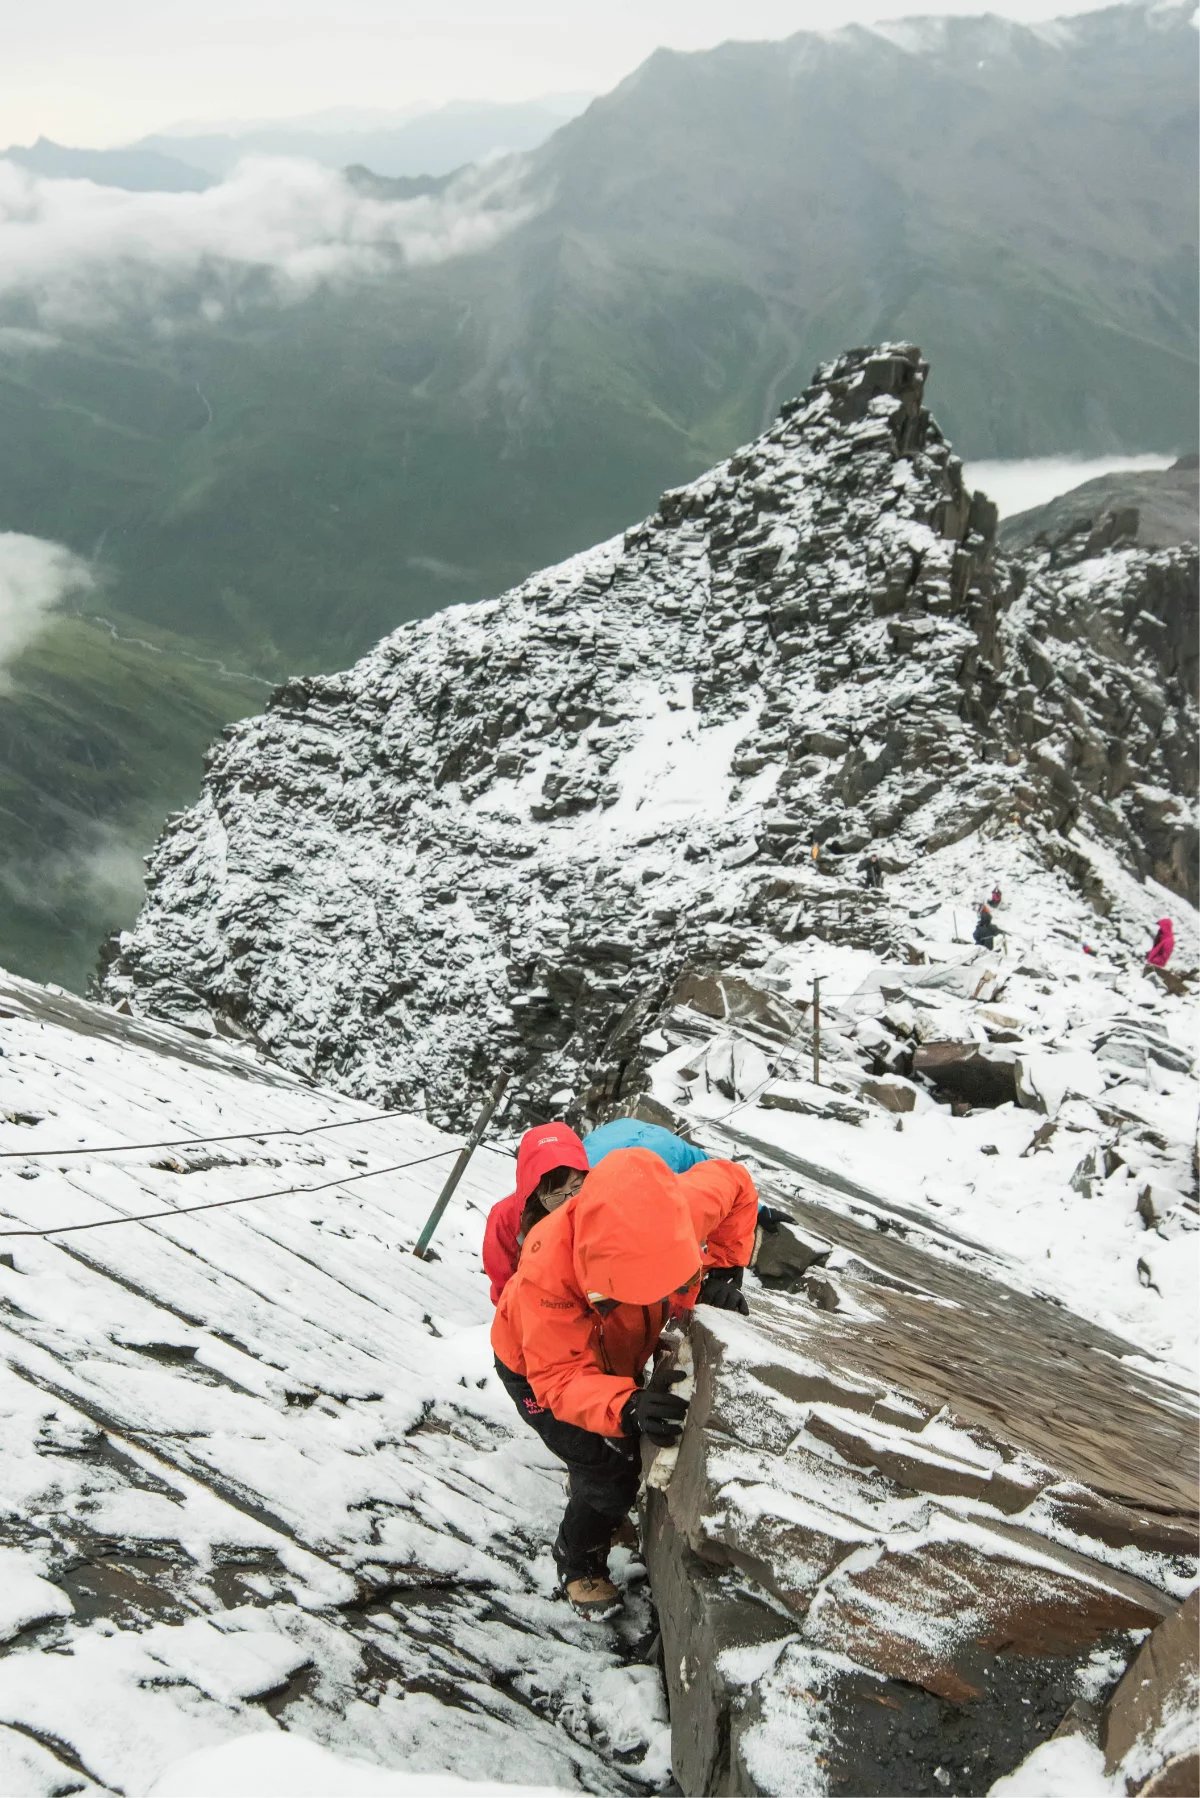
(982, 1075)
(897, 1529)
(1099, 692)
(1151, 510)
(513, 822)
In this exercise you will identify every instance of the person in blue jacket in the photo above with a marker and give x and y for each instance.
(679, 1155)
(632, 1133)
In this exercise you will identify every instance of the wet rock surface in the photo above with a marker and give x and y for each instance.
(899, 1531)
(1148, 1723)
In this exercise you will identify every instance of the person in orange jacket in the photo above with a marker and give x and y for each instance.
(581, 1317)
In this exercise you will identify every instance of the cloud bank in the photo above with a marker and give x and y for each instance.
(35, 577)
(74, 253)
(105, 866)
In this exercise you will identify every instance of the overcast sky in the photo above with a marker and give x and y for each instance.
(105, 71)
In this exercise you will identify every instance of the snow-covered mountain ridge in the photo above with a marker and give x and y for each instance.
(512, 820)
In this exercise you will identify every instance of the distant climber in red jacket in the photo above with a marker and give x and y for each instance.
(551, 1163)
(1160, 950)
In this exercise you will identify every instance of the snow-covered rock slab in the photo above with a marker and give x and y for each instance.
(1151, 1724)
(255, 1470)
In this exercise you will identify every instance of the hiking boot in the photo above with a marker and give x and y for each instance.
(583, 1580)
(593, 1597)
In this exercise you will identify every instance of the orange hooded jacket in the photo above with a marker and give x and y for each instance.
(635, 1233)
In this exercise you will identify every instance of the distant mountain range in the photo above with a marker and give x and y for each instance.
(275, 488)
(136, 168)
(431, 143)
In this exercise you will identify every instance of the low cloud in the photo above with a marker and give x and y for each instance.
(21, 338)
(101, 872)
(74, 253)
(1017, 485)
(110, 864)
(35, 578)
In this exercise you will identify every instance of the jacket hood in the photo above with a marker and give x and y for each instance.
(1166, 926)
(545, 1147)
(634, 1237)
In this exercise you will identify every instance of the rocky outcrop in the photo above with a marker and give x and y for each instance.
(906, 1524)
(606, 832)
(1099, 695)
(1148, 1727)
(507, 830)
(1146, 509)
(981, 1074)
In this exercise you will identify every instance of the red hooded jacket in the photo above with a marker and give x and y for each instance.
(1159, 952)
(635, 1233)
(542, 1149)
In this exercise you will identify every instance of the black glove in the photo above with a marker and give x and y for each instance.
(769, 1219)
(722, 1287)
(657, 1414)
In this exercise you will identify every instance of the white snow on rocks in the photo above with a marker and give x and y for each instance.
(511, 821)
(255, 1465)
(1085, 1190)
(270, 1765)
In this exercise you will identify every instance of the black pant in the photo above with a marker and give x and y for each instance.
(602, 1480)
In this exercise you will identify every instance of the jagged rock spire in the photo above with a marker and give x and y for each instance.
(511, 820)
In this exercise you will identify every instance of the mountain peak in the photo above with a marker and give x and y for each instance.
(513, 819)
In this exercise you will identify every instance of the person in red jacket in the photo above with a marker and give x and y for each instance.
(582, 1315)
(551, 1163)
(1161, 949)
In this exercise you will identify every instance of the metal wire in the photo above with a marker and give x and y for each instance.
(282, 1192)
(200, 1142)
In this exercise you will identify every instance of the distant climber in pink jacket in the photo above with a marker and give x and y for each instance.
(1159, 952)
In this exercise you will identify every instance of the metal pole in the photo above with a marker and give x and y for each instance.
(816, 1025)
(460, 1166)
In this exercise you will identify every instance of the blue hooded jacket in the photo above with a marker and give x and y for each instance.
(632, 1133)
